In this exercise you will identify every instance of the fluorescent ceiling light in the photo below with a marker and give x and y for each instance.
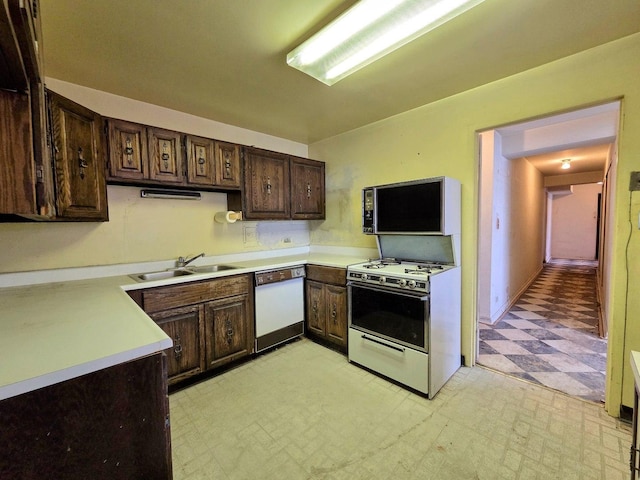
(368, 31)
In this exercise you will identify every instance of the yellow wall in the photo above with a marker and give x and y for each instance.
(440, 139)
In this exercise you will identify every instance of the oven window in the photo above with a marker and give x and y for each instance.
(394, 316)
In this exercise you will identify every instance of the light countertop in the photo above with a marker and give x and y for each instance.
(53, 332)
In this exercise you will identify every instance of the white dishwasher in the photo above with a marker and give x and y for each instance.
(279, 305)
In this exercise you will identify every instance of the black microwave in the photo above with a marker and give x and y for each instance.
(429, 206)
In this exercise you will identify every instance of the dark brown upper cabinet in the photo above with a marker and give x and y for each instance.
(52, 149)
(266, 192)
(307, 189)
(211, 163)
(165, 156)
(17, 182)
(144, 155)
(26, 185)
(78, 156)
(228, 171)
(128, 156)
(20, 45)
(201, 163)
(279, 187)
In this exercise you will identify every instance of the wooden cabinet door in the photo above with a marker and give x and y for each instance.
(226, 330)
(28, 33)
(316, 315)
(307, 189)
(20, 45)
(165, 161)
(128, 157)
(266, 185)
(79, 159)
(201, 162)
(183, 326)
(227, 165)
(108, 424)
(17, 182)
(336, 314)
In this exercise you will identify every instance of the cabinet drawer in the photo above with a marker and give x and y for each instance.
(162, 298)
(333, 275)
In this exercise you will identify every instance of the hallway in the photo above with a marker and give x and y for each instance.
(550, 336)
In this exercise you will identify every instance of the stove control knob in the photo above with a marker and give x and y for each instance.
(402, 282)
(412, 284)
(364, 276)
(382, 279)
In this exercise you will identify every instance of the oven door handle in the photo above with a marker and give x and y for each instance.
(380, 342)
(404, 293)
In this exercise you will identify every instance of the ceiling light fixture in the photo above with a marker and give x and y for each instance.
(368, 31)
(566, 164)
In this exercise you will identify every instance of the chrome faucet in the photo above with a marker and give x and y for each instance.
(182, 262)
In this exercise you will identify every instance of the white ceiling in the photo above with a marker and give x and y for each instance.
(584, 136)
(587, 159)
(225, 59)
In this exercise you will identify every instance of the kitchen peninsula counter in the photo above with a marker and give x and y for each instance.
(57, 331)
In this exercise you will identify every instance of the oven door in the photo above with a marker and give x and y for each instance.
(398, 316)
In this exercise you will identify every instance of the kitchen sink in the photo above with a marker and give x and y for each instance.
(210, 268)
(180, 272)
(147, 277)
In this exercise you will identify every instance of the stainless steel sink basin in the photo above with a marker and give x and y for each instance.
(180, 272)
(211, 268)
(147, 277)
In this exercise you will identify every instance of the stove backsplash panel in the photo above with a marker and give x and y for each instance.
(418, 248)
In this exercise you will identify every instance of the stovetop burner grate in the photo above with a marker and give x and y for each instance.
(381, 262)
(423, 269)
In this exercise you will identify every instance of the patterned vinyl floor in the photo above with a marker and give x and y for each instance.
(303, 412)
(550, 336)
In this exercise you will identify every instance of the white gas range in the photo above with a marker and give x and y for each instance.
(394, 273)
(405, 315)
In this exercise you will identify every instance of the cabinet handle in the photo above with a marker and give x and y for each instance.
(177, 349)
(229, 327)
(227, 164)
(201, 160)
(128, 151)
(165, 155)
(82, 163)
(334, 313)
(308, 190)
(268, 185)
(315, 310)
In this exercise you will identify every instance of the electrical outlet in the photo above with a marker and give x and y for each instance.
(250, 236)
(634, 183)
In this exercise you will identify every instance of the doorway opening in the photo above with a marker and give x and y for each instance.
(543, 248)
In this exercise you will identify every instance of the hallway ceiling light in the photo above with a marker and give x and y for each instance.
(566, 164)
(368, 31)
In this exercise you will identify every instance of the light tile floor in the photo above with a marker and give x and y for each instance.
(304, 412)
(550, 336)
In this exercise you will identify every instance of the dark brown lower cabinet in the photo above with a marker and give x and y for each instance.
(226, 331)
(111, 424)
(183, 326)
(209, 321)
(326, 304)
